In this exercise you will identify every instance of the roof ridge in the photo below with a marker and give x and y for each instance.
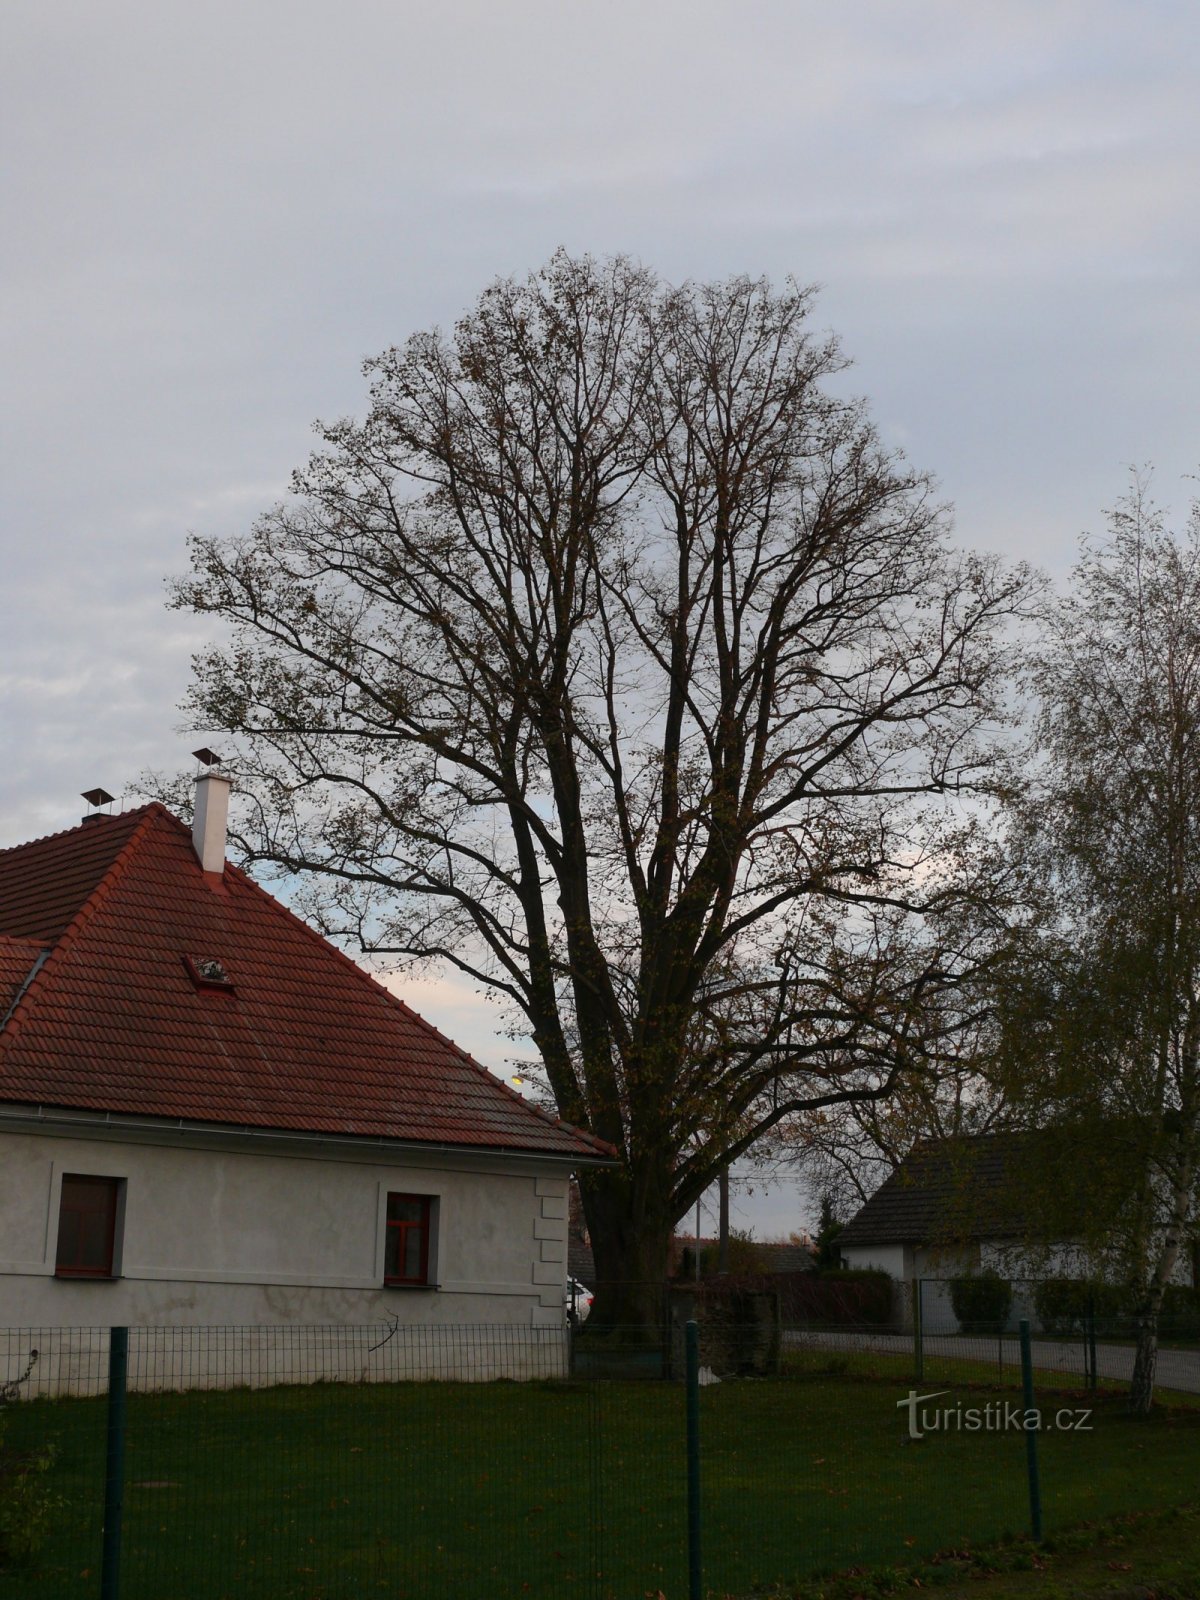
(423, 1022)
(47, 838)
(115, 870)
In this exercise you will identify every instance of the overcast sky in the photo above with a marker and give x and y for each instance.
(213, 213)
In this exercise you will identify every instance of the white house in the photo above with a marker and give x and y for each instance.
(954, 1208)
(209, 1115)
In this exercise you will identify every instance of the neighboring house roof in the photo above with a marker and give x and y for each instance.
(581, 1264)
(98, 926)
(751, 1255)
(785, 1257)
(965, 1187)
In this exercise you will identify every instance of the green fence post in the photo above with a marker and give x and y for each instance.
(114, 1463)
(1030, 1420)
(693, 1458)
(918, 1334)
(1094, 1381)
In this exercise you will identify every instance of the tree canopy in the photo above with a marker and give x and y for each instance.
(847, 1151)
(613, 659)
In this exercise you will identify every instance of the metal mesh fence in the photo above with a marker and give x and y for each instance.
(302, 1463)
(75, 1360)
(1080, 1336)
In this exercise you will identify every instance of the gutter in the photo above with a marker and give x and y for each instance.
(54, 1116)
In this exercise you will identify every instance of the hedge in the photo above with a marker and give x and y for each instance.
(981, 1303)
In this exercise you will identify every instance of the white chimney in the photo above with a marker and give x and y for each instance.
(210, 819)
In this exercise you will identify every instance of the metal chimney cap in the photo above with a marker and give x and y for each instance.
(97, 797)
(207, 757)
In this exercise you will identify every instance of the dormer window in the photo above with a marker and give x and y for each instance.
(207, 972)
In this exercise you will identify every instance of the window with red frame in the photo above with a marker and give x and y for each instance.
(87, 1226)
(406, 1252)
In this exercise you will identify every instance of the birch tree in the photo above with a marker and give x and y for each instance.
(1104, 1024)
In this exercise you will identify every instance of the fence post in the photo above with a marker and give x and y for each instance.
(1031, 1456)
(1094, 1378)
(918, 1333)
(114, 1463)
(692, 1335)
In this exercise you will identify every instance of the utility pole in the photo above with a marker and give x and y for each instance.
(723, 1226)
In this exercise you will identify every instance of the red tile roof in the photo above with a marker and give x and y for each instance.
(46, 882)
(18, 958)
(304, 1040)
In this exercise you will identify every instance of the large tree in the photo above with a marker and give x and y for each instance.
(1104, 1007)
(613, 660)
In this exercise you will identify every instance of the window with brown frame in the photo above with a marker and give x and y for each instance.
(406, 1250)
(87, 1226)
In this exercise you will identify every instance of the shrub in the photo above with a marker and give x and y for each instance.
(981, 1303)
(840, 1298)
(26, 1503)
(1061, 1305)
(739, 1323)
(1064, 1304)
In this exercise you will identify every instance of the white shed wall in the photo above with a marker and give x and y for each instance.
(895, 1259)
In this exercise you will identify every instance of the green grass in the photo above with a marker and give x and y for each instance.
(451, 1490)
(1143, 1556)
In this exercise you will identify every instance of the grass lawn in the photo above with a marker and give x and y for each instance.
(480, 1492)
(1143, 1556)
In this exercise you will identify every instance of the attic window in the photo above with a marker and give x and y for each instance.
(206, 972)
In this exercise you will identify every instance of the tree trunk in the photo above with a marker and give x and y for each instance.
(1145, 1362)
(631, 1245)
(1141, 1389)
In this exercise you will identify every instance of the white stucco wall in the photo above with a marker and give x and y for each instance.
(253, 1232)
(894, 1259)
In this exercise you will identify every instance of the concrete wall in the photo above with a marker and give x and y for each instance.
(222, 1231)
(56, 1361)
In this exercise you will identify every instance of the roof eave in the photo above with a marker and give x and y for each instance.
(50, 1118)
